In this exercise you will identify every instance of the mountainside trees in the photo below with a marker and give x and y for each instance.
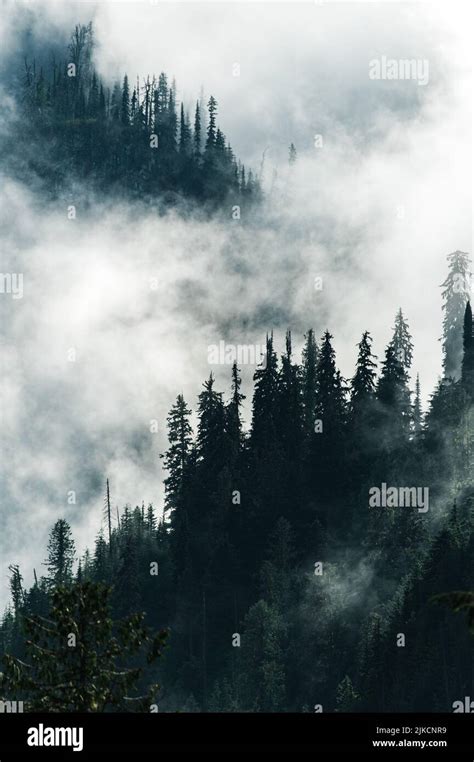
(133, 137)
(282, 587)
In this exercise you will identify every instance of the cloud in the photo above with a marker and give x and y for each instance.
(137, 298)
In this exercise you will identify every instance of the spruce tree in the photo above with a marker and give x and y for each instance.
(61, 553)
(76, 657)
(264, 399)
(197, 131)
(363, 382)
(455, 295)
(308, 382)
(175, 458)
(417, 411)
(468, 352)
(401, 342)
(330, 398)
(125, 109)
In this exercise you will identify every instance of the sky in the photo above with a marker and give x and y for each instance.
(379, 195)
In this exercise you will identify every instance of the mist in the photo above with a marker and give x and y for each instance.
(121, 304)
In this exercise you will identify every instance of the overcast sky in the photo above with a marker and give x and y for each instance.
(374, 211)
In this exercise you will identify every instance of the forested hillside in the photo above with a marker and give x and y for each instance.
(283, 587)
(133, 138)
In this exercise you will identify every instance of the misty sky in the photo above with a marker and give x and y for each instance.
(373, 211)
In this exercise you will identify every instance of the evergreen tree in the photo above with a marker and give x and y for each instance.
(468, 351)
(210, 435)
(363, 382)
(393, 393)
(401, 342)
(125, 109)
(330, 401)
(417, 411)
(211, 127)
(308, 382)
(264, 399)
(76, 656)
(455, 295)
(184, 134)
(61, 553)
(175, 458)
(197, 131)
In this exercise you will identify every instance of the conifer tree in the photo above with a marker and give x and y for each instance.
(417, 411)
(468, 351)
(211, 127)
(125, 109)
(175, 458)
(363, 382)
(455, 295)
(197, 131)
(308, 382)
(393, 393)
(330, 401)
(401, 342)
(61, 553)
(264, 399)
(76, 656)
(184, 134)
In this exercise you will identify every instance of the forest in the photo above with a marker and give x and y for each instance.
(131, 138)
(269, 584)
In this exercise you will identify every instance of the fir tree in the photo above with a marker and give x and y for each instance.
(401, 342)
(455, 295)
(308, 382)
(76, 656)
(61, 553)
(468, 351)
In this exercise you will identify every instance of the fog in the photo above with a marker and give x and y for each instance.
(120, 305)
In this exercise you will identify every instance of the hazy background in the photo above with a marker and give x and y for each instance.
(139, 298)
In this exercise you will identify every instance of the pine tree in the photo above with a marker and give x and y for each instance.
(455, 295)
(210, 435)
(16, 588)
(347, 697)
(262, 679)
(292, 155)
(363, 382)
(184, 134)
(330, 400)
(264, 399)
(197, 131)
(401, 342)
(233, 415)
(175, 458)
(417, 411)
(76, 656)
(211, 127)
(125, 108)
(308, 382)
(393, 393)
(289, 417)
(468, 351)
(61, 553)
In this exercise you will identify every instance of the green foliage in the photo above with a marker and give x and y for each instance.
(72, 124)
(77, 656)
(277, 579)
